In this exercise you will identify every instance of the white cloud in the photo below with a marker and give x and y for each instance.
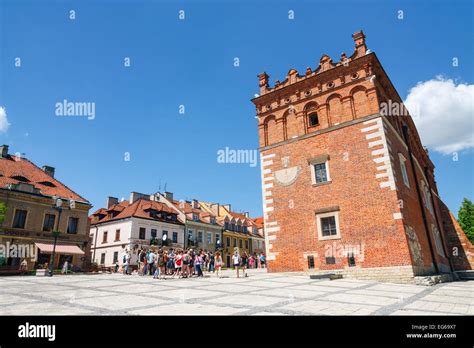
(3, 120)
(445, 117)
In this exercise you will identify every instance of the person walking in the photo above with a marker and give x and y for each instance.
(178, 264)
(191, 263)
(262, 260)
(251, 262)
(236, 261)
(212, 261)
(185, 259)
(126, 263)
(218, 264)
(199, 262)
(243, 263)
(24, 267)
(170, 262)
(151, 262)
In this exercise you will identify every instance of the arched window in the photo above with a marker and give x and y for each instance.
(311, 115)
(313, 119)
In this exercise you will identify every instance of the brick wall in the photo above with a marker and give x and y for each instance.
(366, 210)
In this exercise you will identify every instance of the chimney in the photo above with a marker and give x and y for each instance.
(111, 201)
(215, 208)
(169, 196)
(263, 82)
(3, 151)
(246, 214)
(135, 196)
(359, 40)
(48, 170)
(227, 206)
(195, 204)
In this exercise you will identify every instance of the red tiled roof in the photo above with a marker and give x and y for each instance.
(13, 166)
(242, 217)
(259, 222)
(187, 208)
(139, 208)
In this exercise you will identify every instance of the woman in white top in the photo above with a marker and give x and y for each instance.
(236, 262)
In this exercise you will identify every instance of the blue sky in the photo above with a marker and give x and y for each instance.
(190, 62)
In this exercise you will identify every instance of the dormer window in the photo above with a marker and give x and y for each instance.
(47, 183)
(20, 178)
(213, 220)
(195, 217)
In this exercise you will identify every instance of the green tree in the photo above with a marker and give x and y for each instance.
(3, 211)
(466, 218)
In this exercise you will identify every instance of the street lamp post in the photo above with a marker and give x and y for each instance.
(58, 202)
(163, 240)
(57, 205)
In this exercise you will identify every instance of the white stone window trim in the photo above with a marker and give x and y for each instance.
(403, 168)
(320, 229)
(313, 172)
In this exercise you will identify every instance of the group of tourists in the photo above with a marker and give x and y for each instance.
(186, 263)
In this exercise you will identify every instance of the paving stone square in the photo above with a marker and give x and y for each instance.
(260, 293)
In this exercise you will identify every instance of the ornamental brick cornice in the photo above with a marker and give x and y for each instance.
(313, 97)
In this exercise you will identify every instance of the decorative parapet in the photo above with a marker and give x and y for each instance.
(325, 64)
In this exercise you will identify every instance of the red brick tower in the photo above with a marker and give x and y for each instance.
(347, 185)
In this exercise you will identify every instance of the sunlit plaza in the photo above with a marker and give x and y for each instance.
(260, 293)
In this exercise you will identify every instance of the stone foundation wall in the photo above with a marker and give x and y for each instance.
(398, 274)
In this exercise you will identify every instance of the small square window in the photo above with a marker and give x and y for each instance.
(142, 233)
(209, 237)
(403, 168)
(72, 225)
(328, 225)
(48, 224)
(351, 260)
(310, 261)
(330, 260)
(19, 221)
(320, 173)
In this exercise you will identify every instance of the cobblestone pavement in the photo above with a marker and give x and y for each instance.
(260, 293)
